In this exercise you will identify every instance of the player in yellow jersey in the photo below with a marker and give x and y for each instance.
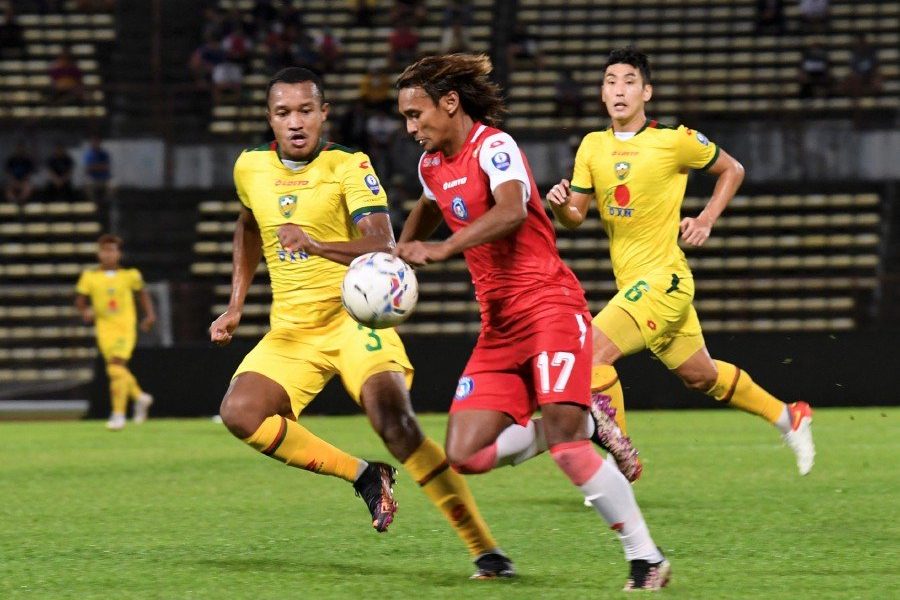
(310, 207)
(637, 171)
(105, 297)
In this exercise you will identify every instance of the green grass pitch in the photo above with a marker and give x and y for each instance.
(180, 509)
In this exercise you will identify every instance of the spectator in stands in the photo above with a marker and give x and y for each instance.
(237, 46)
(352, 127)
(66, 79)
(60, 168)
(864, 77)
(815, 72)
(770, 16)
(523, 48)
(457, 21)
(404, 45)
(306, 55)
(814, 15)
(12, 42)
(204, 60)
(329, 48)
(569, 102)
(213, 23)
(278, 45)
(19, 169)
(227, 81)
(98, 172)
(381, 127)
(375, 86)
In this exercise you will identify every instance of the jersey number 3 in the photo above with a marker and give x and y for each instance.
(564, 359)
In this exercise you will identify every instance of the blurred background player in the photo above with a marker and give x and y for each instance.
(638, 169)
(534, 347)
(105, 297)
(311, 207)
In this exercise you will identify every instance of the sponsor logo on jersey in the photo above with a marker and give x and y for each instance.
(287, 204)
(622, 169)
(625, 153)
(617, 199)
(282, 182)
(501, 160)
(431, 161)
(364, 164)
(455, 182)
(372, 183)
(496, 143)
(702, 139)
(458, 206)
(464, 388)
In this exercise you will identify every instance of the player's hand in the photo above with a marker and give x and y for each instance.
(294, 239)
(419, 254)
(695, 231)
(147, 323)
(560, 194)
(221, 330)
(87, 315)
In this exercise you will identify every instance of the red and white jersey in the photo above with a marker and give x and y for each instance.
(520, 278)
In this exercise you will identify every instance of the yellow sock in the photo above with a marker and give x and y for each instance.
(605, 379)
(449, 491)
(134, 389)
(118, 388)
(735, 387)
(294, 445)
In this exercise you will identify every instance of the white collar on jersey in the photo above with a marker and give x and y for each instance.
(294, 165)
(624, 135)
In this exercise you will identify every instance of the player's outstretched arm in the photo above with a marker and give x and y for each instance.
(149, 310)
(695, 231)
(569, 207)
(246, 253)
(377, 236)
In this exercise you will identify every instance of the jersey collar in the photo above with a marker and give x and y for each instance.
(648, 124)
(323, 145)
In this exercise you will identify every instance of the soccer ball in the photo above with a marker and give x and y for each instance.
(379, 290)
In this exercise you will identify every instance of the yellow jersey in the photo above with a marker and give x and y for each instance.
(326, 196)
(112, 296)
(639, 185)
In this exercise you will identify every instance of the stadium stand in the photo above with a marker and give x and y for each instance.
(361, 45)
(43, 343)
(778, 263)
(707, 57)
(25, 82)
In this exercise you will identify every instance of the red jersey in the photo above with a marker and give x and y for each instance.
(520, 279)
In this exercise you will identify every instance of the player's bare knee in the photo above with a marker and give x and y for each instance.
(700, 383)
(239, 415)
(399, 428)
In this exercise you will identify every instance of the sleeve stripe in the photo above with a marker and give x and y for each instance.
(359, 213)
(712, 161)
(581, 190)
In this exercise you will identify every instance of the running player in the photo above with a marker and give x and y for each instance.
(311, 207)
(637, 169)
(105, 297)
(534, 349)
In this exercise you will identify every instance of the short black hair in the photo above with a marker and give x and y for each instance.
(108, 238)
(629, 55)
(297, 75)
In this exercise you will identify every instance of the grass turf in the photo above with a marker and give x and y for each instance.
(180, 509)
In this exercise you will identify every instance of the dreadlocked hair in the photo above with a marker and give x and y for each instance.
(465, 74)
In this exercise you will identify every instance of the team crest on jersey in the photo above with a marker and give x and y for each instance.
(501, 160)
(372, 183)
(622, 169)
(458, 206)
(702, 139)
(464, 388)
(287, 204)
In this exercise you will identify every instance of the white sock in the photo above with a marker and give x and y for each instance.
(610, 494)
(783, 424)
(516, 444)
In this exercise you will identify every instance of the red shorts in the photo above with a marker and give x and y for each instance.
(551, 365)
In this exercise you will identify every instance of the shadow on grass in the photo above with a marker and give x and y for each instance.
(342, 571)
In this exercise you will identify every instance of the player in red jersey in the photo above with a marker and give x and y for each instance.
(535, 346)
